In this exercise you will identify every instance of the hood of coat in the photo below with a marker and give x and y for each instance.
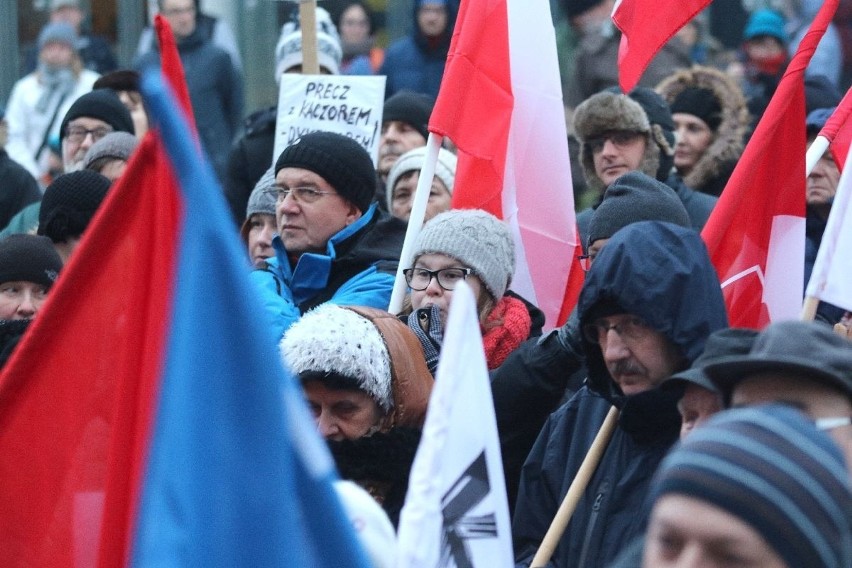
(727, 146)
(662, 273)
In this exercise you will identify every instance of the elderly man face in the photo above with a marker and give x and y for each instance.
(80, 134)
(397, 138)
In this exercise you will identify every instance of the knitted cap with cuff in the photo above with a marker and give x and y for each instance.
(29, 258)
(445, 168)
(102, 104)
(411, 108)
(115, 145)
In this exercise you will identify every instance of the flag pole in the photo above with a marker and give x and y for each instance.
(308, 23)
(576, 490)
(415, 220)
(815, 152)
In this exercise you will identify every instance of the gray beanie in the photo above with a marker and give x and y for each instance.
(445, 168)
(57, 32)
(476, 238)
(115, 145)
(632, 198)
(260, 200)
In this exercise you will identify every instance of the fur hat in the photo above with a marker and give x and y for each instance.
(608, 111)
(635, 197)
(260, 200)
(476, 238)
(445, 168)
(288, 51)
(115, 145)
(57, 32)
(69, 203)
(102, 104)
(29, 258)
(334, 340)
(411, 108)
(771, 468)
(339, 160)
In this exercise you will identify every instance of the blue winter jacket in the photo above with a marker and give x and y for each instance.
(358, 268)
(661, 273)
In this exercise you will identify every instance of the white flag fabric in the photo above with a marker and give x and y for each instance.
(831, 279)
(456, 513)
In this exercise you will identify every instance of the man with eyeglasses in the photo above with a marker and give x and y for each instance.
(90, 118)
(333, 245)
(803, 364)
(620, 133)
(649, 302)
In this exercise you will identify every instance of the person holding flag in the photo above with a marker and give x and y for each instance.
(638, 326)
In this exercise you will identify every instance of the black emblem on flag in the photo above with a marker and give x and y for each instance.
(459, 526)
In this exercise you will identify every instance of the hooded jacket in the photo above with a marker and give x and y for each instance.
(416, 63)
(711, 172)
(656, 271)
(357, 268)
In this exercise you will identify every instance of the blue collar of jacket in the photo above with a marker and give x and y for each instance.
(312, 270)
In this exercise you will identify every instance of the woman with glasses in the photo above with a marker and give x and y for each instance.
(476, 247)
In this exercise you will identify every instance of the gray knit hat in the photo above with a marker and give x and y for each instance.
(57, 32)
(635, 197)
(770, 467)
(477, 239)
(445, 168)
(334, 340)
(339, 160)
(115, 145)
(260, 200)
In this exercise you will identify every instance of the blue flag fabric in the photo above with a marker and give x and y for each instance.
(236, 474)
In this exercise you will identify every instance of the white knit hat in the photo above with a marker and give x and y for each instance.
(332, 339)
(476, 238)
(445, 168)
(288, 51)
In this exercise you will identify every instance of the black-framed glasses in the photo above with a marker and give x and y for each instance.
(300, 194)
(620, 138)
(448, 278)
(77, 134)
(629, 329)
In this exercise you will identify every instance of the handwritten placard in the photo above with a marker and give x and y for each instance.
(346, 104)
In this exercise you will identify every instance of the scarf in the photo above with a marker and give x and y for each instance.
(506, 327)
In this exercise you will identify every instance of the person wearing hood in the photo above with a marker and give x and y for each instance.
(416, 62)
(214, 83)
(640, 324)
(711, 123)
(368, 386)
(619, 133)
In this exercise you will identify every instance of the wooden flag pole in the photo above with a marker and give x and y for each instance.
(576, 490)
(308, 23)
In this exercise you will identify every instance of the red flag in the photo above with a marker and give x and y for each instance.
(756, 233)
(646, 26)
(501, 103)
(838, 130)
(172, 66)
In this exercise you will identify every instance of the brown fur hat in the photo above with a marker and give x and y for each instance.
(611, 111)
(727, 146)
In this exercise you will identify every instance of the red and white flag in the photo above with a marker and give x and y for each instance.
(756, 233)
(646, 26)
(838, 130)
(501, 103)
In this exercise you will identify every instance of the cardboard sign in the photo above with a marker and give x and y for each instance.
(347, 104)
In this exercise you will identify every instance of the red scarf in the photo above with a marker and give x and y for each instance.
(506, 327)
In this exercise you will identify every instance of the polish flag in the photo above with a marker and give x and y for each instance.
(646, 26)
(838, 130)
(501, 104)
(756, 233)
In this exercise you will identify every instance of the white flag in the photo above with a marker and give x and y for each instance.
(831, 279)
(455, 512)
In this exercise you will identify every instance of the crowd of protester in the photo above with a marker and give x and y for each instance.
(733, 447)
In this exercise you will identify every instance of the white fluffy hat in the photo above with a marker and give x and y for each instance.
(332, 339)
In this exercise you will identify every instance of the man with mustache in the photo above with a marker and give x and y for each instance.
(641, 321)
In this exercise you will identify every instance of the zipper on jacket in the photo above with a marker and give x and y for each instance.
(593, 518)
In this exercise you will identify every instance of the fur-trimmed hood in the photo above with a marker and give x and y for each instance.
(728, 145)
(613, 111)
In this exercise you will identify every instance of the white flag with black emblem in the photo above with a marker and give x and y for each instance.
(456, 513)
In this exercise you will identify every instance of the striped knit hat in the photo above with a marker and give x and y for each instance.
(770, 467)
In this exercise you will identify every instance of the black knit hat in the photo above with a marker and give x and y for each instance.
(411, 108)
(29, 258)
(660, 115)
(699, 102)
(339, 160)
(635, 197)
(102, 104)
(69, 203)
